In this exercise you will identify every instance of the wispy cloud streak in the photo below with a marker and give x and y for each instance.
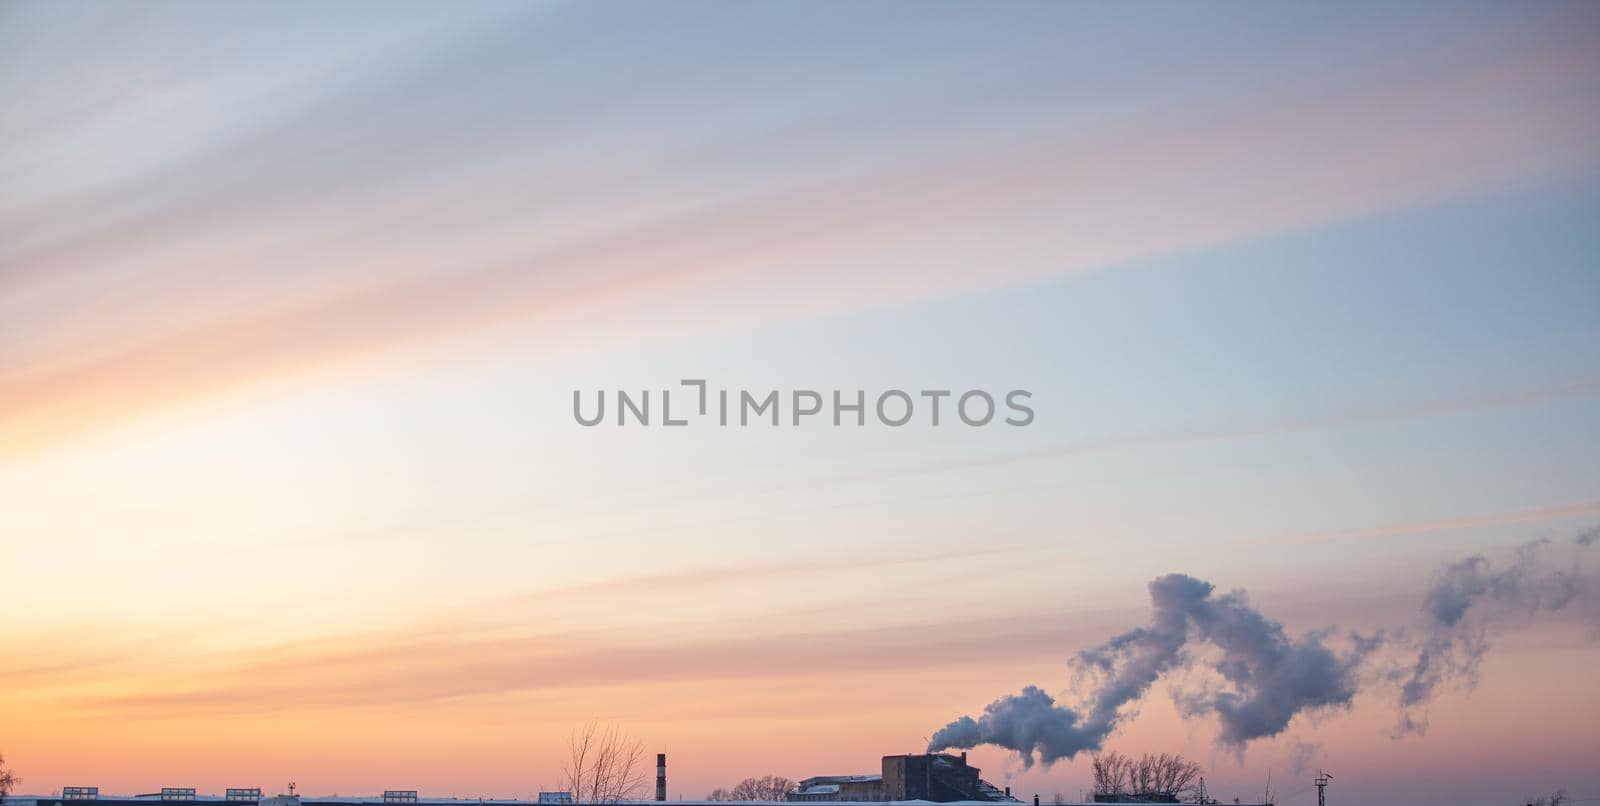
(1450, 123)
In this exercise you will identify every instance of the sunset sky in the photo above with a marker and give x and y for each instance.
(294, 298)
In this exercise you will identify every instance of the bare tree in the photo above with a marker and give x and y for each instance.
(1111, 773)
(1555, 798)
(765, 788)
(719, 794)
(8, 779)
(604, 765)
(1163, 777)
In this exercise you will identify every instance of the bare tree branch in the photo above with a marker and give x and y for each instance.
(1555, 798)
(8, 779)
(603, 765)
(766, 788)
(1161, 777)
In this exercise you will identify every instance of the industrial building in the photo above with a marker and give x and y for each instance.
(936, 777)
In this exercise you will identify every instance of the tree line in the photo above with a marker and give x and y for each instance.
(1166, 777)
(767, 787)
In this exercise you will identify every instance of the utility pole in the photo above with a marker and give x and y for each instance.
(1322, 780)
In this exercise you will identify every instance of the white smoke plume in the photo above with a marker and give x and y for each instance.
(1030, 722)
(1470, 598)
(1265, 677)
(1270, 677)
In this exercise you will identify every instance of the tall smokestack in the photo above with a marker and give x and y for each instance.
(661, 776)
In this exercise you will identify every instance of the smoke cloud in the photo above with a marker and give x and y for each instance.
(1028, 723)
(1471, 597)
(1264, 677)
(1270, 677)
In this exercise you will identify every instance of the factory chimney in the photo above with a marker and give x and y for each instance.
(661, 776)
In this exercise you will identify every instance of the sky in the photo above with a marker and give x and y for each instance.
(294, 299)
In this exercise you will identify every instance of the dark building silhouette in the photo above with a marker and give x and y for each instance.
(937, 777)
